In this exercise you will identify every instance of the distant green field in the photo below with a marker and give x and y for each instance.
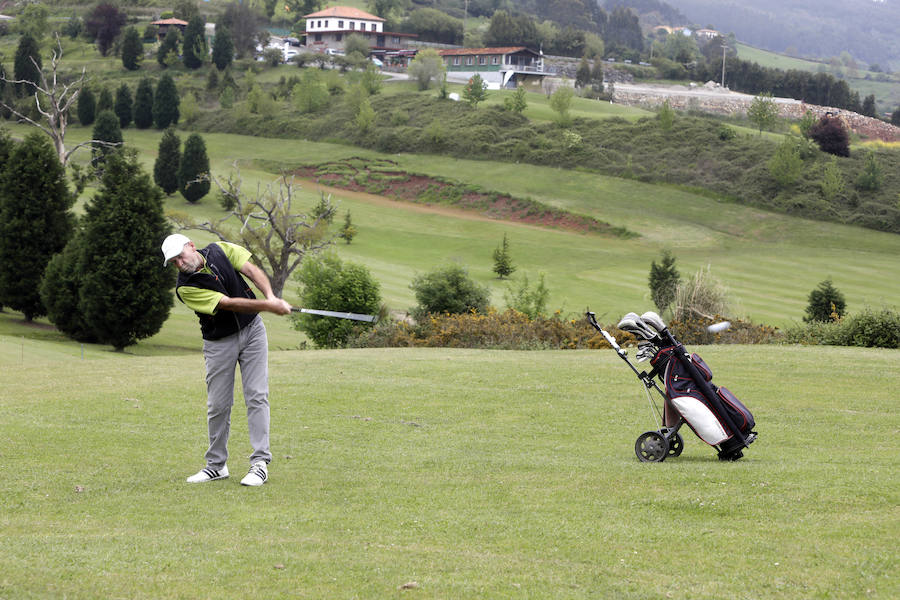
(887, 93)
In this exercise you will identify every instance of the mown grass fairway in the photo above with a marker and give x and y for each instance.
(475, 474)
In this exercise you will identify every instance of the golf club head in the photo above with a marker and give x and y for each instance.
(646, 351)
(653, 320)
(632, 323)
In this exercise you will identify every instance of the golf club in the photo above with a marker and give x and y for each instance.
(653, 320)
(338, 315)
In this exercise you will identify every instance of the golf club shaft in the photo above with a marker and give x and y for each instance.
(337, 315)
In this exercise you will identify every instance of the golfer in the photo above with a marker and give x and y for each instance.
(210, 283)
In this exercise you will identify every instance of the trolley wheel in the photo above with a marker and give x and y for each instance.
(676, 445)
(651, 446)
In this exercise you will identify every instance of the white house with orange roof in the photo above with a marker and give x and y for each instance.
(327, 29)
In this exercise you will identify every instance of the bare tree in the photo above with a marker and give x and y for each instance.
(53, 99)
(267, 225)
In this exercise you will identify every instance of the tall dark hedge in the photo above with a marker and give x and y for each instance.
(124, 106)
(106, 129)
(168, 162)
(86, 107)
(194, 46)
(105, 100)
(35, 220)
(60, 288)
(24, 68)
(168, 46)
(223, 48)
(125, 293)
(165, 103)
(143, 104)
(194, 164)
(132, 49)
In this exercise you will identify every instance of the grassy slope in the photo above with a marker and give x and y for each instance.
(769, 262)
(521, 483)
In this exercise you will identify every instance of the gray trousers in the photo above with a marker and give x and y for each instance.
(249, 349)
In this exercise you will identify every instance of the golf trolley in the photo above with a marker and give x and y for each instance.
(689, 396)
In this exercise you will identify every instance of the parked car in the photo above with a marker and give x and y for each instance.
(377, 62)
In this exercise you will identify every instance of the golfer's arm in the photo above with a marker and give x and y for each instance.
(259, 279)
(248, 305)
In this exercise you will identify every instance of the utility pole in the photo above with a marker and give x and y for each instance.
(724, 49)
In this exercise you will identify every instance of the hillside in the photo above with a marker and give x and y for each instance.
(867, 29)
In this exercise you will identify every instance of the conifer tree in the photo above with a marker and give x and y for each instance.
(194, 46)
(27, 54)
(168, 49)
(60, 288)
(583, 74)
(223, 48)
(663, 281)
(168, 162)
(105, 101)
(125, 293)
(193, 174)
(108, 137)
(165, 103)
(87, 107)
(35, 220)
(503, 266)
(132, 49)
(348, 231)
(143, 104)
(124, 106)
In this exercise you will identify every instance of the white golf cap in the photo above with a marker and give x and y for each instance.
(172, 246)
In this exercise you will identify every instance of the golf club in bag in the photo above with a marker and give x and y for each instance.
(689, 395)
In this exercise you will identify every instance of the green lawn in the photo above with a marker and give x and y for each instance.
(521, 482)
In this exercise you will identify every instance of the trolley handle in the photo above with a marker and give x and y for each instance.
(592, 319)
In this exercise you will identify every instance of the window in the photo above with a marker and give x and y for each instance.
(319, 24)
(352, 26)
(482, 60)
(338, 37)
(470, 60)
(495, 60)
(326, 24)
(455, 60)
(340, 24)
(373, 27)
(396, 39)
(318, 37)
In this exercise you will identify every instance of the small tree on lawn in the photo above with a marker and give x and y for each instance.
(663, 281)
(35, 221)
(105, 100)
(168, 162)
(561, 102)
(762, 112)
(223, 48)
(348, 231)
(143, 104)
(165, 103)
(269, 226)
(583, 74)
(666, 116)
(107, 137)
(826, 303)
(193, 173)
(786, 164)
(870, 178)
(503, 266)
(87, 107)
(124, 106)
(330, 284)
(527, 300)
(132, 49)
(516, 103)
(832, 184)
(125, 295)
(475, 90)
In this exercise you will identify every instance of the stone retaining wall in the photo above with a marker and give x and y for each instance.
(713, 99)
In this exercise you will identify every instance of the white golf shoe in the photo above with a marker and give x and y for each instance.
(258, 474)
(206, 474)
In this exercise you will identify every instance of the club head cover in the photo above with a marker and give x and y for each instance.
(633, 324)
(653, 320)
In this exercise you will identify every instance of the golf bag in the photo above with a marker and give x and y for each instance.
(689, 395)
